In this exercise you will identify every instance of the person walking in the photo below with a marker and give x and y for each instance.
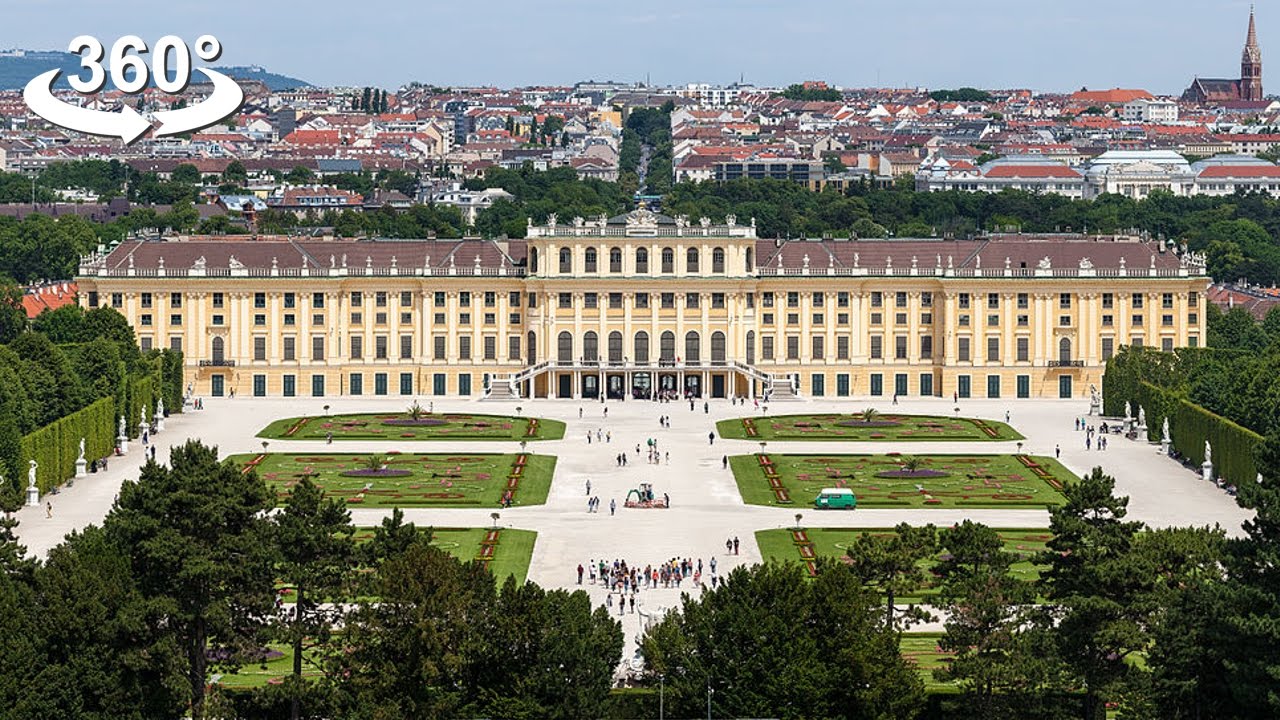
(706, 408)
(48, 509)
(711, 438)
(666, 499)
(735, 544)
(588, 486)
(613, 506)
(728, 546)
(579, 573)
(724, 462)
(1057, 451)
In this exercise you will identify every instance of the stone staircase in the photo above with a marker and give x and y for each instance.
(782, 390)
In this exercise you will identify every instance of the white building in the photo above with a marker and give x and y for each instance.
(1136, 173)
(470, 202)
(1145, 110)
(1030, 173)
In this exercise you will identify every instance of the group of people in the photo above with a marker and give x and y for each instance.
(601, 435)
(627, 580)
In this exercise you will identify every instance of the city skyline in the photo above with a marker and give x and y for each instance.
(992, 44)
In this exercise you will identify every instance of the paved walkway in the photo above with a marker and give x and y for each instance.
(706, 509)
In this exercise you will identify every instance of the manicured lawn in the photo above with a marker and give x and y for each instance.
(853, 426)
(400, 426)
(786, 546)
(411, 480)
(512, 549)
(987, 481)
(923, 651)
(277, 662)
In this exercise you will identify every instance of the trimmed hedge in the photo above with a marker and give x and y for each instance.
(140, 392)
(56, 446)
(1155, 381)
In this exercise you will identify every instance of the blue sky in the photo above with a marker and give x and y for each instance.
(1158, 45)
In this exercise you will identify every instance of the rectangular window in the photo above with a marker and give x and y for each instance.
(260, 320)
(290, 349)
(290, 319)
(926, 347)
(1064, 301)
(357, 347)
(668, 300)
(175, 343)
(993, 349)
(380, 347)
(818, 343)
(877, 299)
(993, 320)
(464, 299)
(117, 300)
(1108, 348)
(1137, 321)
(818, 384)
(900, 318)
(842, 384)
(146, 300)
(793, 299)
(1193, 299)
(993, 386)
(438, 347)
(513, 299)
(589, 301)
(380, 318)
(900, 299)
(317, 319)
(717, 301)
(355, 384)
(514, 318)
(464, 384)
(842, 300)
(176, 319)
(513, 347)
(842, 318)
(259, 385)
(490, 298)
(877, 347)
(766, 347)
(259, 348)
(379, 383)
(926, 318)
(1166, 344)
(1108, 320)
(1064, 320)
(357, 298)
(490, 347)
(290, 300)
(900, 347)
(1193, 318)
(615, 301)
(317, 386)
(1024, 386)
(964, 386)
(464, 318)
(766, 299)
(1024, 349)
(993, 301)
(642, 301)
(406, 318)
(317, 347)
(145, 318)
(380, 298)
(1136, 302)
(926, 384)
(406, 347)
(289, 384)
(964, 320)
(926, 299)
(766, 318)
(357, 318)
(691, 300)
(490, 318)
(877, 318)
(842, 348)
(438, 299)
(818, 299)
(1166, 301)
(317, 300)
(793, 347)
(793, 318)
(1022, 301)
(962, 349)
(1108, 301)
(406, 383)
(464, 347)
(439, 384)
(175, 300)
(964, 301)
(438, 319)
(145, 343)
(877, 384)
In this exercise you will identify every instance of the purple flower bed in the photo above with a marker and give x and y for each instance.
(380, 472)
(868, 423)
(924, 473)
(410, 422)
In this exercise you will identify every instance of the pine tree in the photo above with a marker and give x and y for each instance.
(365, 98)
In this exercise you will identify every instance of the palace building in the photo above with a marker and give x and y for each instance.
(642, 303)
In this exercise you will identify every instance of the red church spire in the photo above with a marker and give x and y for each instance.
(1251, 65)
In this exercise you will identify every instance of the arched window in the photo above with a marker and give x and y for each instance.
(642, 348)
(667, 347)
(717, 347)
(564, 348)
(591, 260)
(615, 347)
(692, 348)
(533, 261)
(717, 261)
(218, 348)
(691, 260)
(668, 260)
(642, 261)
(591, 346)
(532, 354)
(615, 260)
(566, 260)
(1064, 351)
(751, 346)
(750, 264)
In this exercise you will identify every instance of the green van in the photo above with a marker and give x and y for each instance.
(832, 498)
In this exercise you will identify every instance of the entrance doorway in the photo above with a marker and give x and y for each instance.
(717, 386)
(564, 386)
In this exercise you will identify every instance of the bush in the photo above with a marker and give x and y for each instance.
(56, 446)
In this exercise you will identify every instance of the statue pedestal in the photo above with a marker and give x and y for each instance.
(1206, 471)
(123, 443)
(1142, 433)
(1095, 407)
(33, 497)
(1164, 447)
(159, 422)
(82, 468)
(1128, 425)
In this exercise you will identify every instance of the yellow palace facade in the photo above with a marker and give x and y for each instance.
(642, 304)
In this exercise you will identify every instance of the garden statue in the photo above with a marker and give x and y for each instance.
(82, 465)
(81, 456)
(1128, 410)
(1142, 417)
(31, 473)
(121, 431)
(1208, 453)
(1165, 431)
(33, 492)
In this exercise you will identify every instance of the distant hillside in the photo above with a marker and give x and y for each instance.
(16, 71)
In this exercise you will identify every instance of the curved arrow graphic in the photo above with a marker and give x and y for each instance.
(226, 98)
(127, 124)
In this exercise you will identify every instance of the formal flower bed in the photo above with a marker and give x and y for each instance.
(897, 481)
(867, 425)
(416, 425)
(379, 472)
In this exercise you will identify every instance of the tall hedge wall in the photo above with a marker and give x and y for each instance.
(140, 392)
(56, 446)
